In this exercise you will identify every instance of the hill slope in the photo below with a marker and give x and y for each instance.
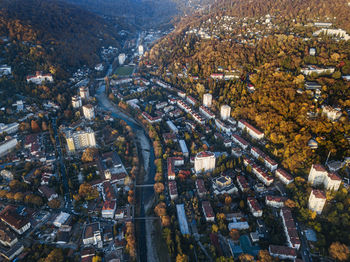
(59, 32)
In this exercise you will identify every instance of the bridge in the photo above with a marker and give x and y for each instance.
(145, 185)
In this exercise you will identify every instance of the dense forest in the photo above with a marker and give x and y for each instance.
(56, 32)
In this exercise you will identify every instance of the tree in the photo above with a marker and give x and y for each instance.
(88, 154)
(34, 126)
(18, 197)
(264, 256)
(246, 258)
(181, 258)
(96, 259)
(339, 251)
(228, 200)
(55, 255)
(54, 203)
(234, 234)
(87, 192)
(159, 187)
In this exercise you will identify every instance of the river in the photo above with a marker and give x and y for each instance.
(145, 249)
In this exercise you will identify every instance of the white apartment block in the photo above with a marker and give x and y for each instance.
(39, 78)
(331, 113)
(251, 130)
(89, 112)
(84, 92)
(76, 102)
(121, 58)
(8, 129)
(80, 139)
(320, 176)
(317, 200)
(7, 146)
(207, 100)
(204, 162)
(225, 112)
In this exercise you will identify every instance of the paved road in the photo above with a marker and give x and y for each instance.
(60, 163)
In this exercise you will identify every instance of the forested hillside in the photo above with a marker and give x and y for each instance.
(55, 32)
(267, 43)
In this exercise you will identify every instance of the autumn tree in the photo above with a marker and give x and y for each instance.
(264, 256)
(88, 154)
(181, 258)
(246, 258)
(55, 255)
(160, 209)
(54, 203)
(34, 126)
(87, 192)
(234, 234)
(339, 251)
(159, 187)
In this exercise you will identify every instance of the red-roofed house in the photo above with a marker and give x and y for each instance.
(208, 211)
(285, 177)
(254, 207)
(251, 130)
(109, 208)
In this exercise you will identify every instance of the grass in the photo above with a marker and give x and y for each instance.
(123, 71)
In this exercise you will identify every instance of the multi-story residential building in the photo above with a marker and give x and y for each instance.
(222, 126)
(204, 162)
(80, 139)
(39, 78)
(172, 127)
(242, 183)
(48, 192)
(331, 113)
(109, 208)
(208, 211)
(206, 112)
(254, 207)
(89, 112)
(282, 252)
(285, 177)
(207, 100)
(240, 141)
(14, 220)
(262, 176)
(171, 163)
(251, 130)
(7, 146)
(275, 201)
(191, 100)
(317, 200)
(9, 129)
(270, 163)
(92, 234)
(172, 190)
(290, 229)
(76, 102)
(184, 148)
(151, 119)
(7, 237)
(121, 58)
(225, 112)
(84, 92)
(320, 176)
(201, 190)
(181, 215)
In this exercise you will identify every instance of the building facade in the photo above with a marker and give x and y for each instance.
(204, 162)
(225, 112)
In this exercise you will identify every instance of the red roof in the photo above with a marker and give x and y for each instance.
(172, 188)
(254, 203)
(319, 194)
(200, 186)
(240, 139)
(334, 176)
(205, 154)
(252, 128)
(207, 209)
(109, 205)
(284, 173)
(276, 199)
(282, 250)
(319, 168)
